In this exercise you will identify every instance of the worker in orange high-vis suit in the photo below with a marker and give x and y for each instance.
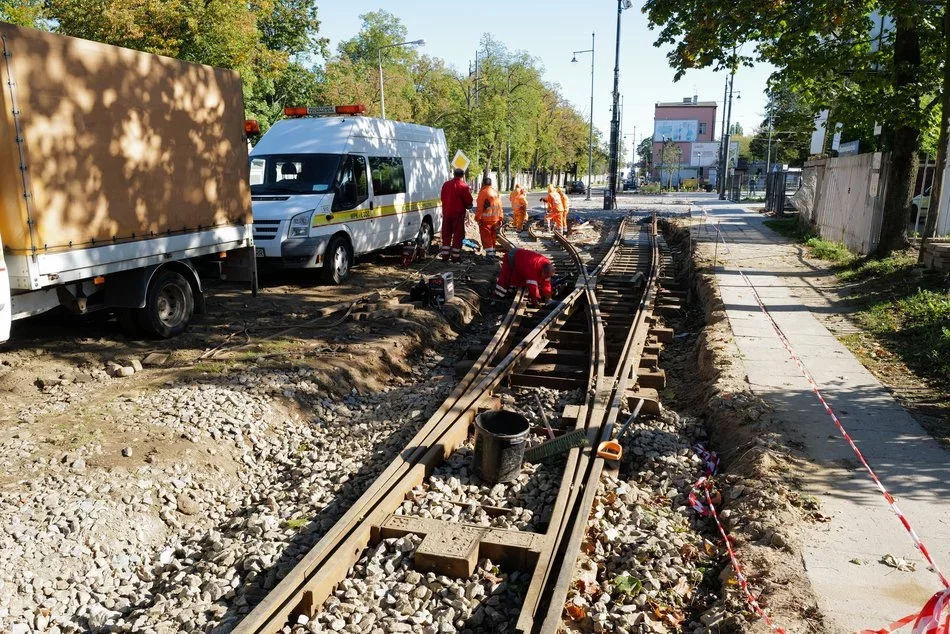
(488, 214)
(553, 201)
(456, 201)
(523, 268)
(519, 207)
(565, 207)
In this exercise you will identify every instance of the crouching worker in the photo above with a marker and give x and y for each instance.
(529, 270)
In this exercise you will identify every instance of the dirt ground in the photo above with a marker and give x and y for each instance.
(761, 507)
(56, 395)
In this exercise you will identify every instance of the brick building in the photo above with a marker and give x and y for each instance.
(690, 124)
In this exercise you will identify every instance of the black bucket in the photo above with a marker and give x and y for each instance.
(499, 445)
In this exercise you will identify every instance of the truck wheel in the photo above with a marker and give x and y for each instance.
(424, 239)
(336, 261)
(169, 306)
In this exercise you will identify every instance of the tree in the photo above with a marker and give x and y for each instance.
(671, 158)
(824, 51)
(645, 150)
(791, 124)
(736, 129)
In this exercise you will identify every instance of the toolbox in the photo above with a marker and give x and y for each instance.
(441, 288)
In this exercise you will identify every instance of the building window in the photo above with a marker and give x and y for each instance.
(702, 127)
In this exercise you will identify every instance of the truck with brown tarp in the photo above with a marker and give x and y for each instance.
(123, 182)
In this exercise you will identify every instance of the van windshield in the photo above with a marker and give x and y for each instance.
(294, 174)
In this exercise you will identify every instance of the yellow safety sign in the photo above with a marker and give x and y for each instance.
(460, 162)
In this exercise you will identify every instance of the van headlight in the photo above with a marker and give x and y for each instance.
(300, 225)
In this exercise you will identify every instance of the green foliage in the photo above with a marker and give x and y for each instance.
(869, 268)
(827, 250)
(790, 227)
(645, 150)
(297, 523)
(825, 53)
(272, 44)
(908, 310)
(792, 123)
(22, 12)
(626, 585)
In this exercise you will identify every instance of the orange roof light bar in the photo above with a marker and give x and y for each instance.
(252, 126)
(318, 111)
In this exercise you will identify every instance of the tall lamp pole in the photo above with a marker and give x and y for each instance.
(610, 195)
(379, 53)
(590, 136)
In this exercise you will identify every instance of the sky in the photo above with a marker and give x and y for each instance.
(551, 31)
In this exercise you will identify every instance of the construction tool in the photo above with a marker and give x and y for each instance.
(557, 446)
(544, 418)
(611, 449)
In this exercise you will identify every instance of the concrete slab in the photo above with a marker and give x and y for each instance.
(843, 557)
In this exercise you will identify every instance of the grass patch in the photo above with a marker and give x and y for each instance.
(866, 268)
(297, 523)
(916, 327)
(790, 228)
(831, 251)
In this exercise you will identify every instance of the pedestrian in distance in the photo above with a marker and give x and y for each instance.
(523, 268)
(489, 215)
(565, 207)
(519, 207)
(553, 202)
(456, 201)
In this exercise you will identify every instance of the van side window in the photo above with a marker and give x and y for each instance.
(352, 185)
(389, 177)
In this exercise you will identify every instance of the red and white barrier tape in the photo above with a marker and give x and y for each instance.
(929, 618)
(708, 509)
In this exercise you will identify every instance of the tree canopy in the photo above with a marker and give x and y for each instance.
(273, 44)
(841, 56)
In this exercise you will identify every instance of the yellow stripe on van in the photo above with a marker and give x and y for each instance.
(322, 220)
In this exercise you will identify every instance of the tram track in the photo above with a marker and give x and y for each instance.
(568, 346)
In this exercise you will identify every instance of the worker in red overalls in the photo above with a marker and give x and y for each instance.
(456, 201)
(488, 215)
(522, 268)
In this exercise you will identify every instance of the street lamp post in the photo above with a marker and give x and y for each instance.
(590, 136)
(379, 53)
(610, 194)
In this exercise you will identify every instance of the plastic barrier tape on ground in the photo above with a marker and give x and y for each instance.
(708, 509)
(928, 621)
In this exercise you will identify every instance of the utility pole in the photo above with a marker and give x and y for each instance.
(590, 134)
(727, 138)
(508, 130)
(722, 139)
(610, 195)
(768, 156)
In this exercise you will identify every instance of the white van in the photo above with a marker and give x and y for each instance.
(325, 189)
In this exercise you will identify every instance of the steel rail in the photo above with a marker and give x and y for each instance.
(312, 580)
(635, 340)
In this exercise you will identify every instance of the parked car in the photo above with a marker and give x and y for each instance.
(576, 187)
(629, 185)
(920, 204)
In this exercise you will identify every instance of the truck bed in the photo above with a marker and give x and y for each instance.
(119, 147)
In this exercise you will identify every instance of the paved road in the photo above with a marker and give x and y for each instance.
(912, 465)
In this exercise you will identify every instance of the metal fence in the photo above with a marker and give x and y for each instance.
(779, 187)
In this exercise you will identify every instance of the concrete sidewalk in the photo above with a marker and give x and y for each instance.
(913, 467)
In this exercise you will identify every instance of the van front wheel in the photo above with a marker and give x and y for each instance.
(336, 261)
(424, 239)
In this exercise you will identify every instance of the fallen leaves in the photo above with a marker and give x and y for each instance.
(899, 563)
